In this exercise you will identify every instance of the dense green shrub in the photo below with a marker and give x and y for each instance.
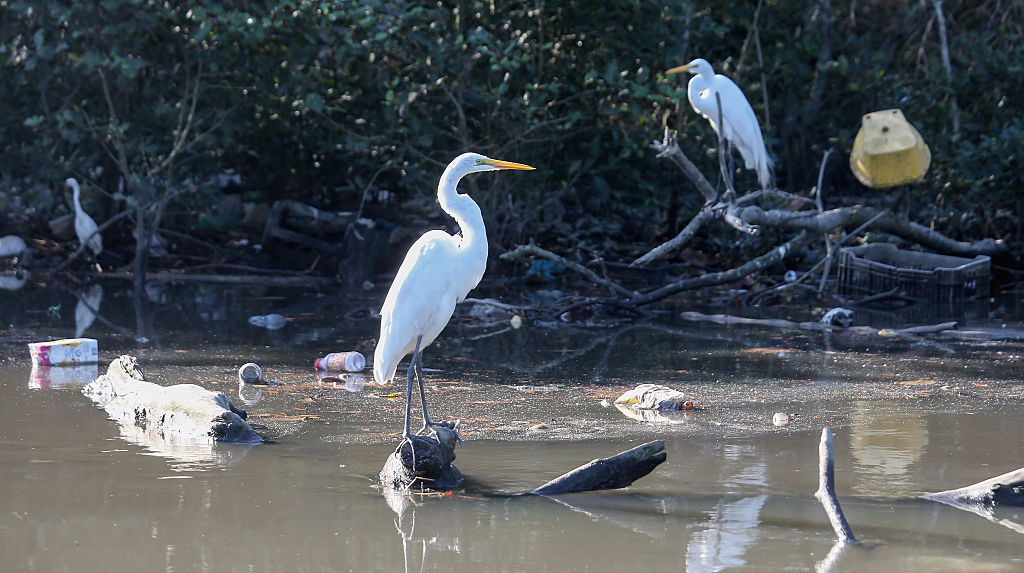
(323, 101)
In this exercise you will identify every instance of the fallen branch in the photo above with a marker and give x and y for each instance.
(518, 309)
(531, 249)
(885, 221)
(168, 276)
(928, 328)
(757, 264)
(826, 493)
(632, 301)
(770, 322)
(773, 193)
(909, 332)
(617, 471)
(676, 242)
(1005, 489)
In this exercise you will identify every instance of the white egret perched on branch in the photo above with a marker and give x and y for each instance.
(740, 124)
(438, 272)
(85, 227)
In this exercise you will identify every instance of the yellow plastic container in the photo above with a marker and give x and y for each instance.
(888, 151)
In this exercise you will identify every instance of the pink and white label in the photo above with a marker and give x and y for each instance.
(66, 351)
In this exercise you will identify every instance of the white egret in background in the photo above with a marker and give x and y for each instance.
(438, 272)
(86, 308)
(85, 227)
(13, 246)
(740, 124)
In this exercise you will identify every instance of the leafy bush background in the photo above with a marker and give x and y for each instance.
(331, 102)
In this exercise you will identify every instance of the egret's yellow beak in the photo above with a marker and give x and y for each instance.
(499, 164)
(680, 69)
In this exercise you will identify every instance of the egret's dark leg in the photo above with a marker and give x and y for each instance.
(732, 164)
(408, 387)
(423, 398)
(406, 434)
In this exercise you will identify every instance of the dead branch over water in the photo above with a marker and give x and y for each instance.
(742, 215)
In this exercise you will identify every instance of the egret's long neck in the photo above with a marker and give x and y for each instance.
(466, 213)
(75, 194)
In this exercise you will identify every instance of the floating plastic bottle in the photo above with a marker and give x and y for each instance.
(341, 362)
(269, 321)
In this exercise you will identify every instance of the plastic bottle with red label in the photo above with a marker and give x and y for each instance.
(341, 362)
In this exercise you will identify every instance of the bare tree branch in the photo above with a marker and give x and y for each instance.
(531, 249)
(772, 193)
(886, 221)
(940, 16)
(668, 148)
(675, 242)
(752, 266)
(819, 203)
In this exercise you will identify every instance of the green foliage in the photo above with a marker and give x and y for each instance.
(323, 100)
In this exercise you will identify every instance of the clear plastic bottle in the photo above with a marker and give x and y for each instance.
(341, 362)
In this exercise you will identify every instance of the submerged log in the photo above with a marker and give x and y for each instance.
(183, 412)
(617, 471)
(424, 462)
(1006, 489)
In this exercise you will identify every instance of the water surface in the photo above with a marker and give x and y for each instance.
(79, 493)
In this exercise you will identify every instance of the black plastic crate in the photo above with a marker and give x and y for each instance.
(942, 280)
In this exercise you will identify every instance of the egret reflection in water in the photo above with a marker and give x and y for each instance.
(87, 308)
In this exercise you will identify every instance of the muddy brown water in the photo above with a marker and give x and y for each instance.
(79, 493)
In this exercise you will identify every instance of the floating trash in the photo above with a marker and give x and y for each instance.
(655, 397)
(781, 419)
(65, 351)
(269, 321)
(341, 362)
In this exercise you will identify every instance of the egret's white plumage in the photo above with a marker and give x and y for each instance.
(741, 128)
(438, 272)
(86, 308)
(13, 246)
(85, 227)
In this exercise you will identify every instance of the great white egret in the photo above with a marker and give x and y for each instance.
(438, 272)
(741, 128)
(85, 227)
